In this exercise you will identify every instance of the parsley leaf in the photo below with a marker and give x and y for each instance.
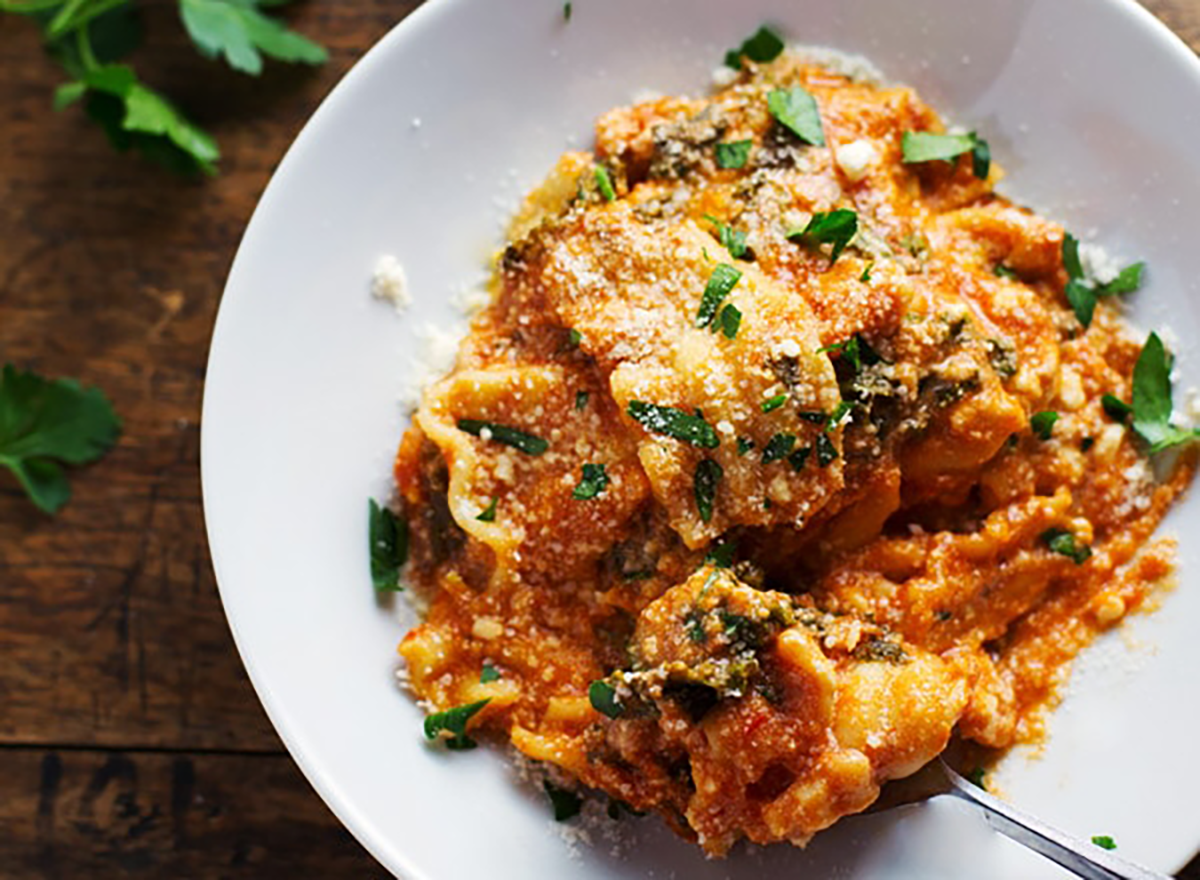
(856, 351)
(1152, 399)
(530, 444)
(1115, 408)
(729, 321)
(1083, 295)
(744, 445)
(778, 447)
(865, 277)
(836, 228)
(1042, 423)
(799, 458)
(722, 280)
(1104, 841)
(237, 30)
(924, 146)
(731, 239)
(603, 697)
(1128, 280)
(581, 400)
(763, 46)
(675, 423)
(454, 722)
(604, 183)
(721, 554)
(1002, 271)
(567, 10)
(1063, 542)
(566, 804)
(704, 485)
(826, 452)
(593, 482)
(975, 777)
(1070, 256)
(733, 154)
(389, 547)
(488, 673)
(773, 403)
(488, 514)
(797, 111)
(45, 423)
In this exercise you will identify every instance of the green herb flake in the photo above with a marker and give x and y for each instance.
(567, 10)
(581, 400)
(1104, 841)
(519, 440)
(799, 458)
(1082, 295)
(722, 280)
(733, 154)
(1002, 271)
(604, 183)
(731, 239)
(778, 447)
(721, 554)
(763, 46)
(815, 416)
(924, 146)
(488, 514)
(454, 722)
(488, 674)
(676, 423)
(704, 485)
(603, 697)
(388, 536)
(836, 228)
(47, 423)
(693, 625)
(1086, 443)
(827, 453)
(242, 34)
(1152, 405)
(574, 337)
(1042, 423)
(839, 413)
(566, 804)
(1115, 408)
(1070, 257)
(1128, 280)
(744, 445)
(797, 111)
(593, 482)
(1062, 542)
(1082, 298)
(865, 277)
(729, 320)
(773, 403)
(975, 777)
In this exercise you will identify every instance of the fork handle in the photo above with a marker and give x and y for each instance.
(1085, 859)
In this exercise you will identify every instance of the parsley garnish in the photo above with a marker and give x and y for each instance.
(388, 536)
(675, 423)
(1062, 542)
(603, 697)
(733, 154)
(454, 722)
(836, 228)
(729, 321)
(604, 183)
(1042, 423)
(731, 239)
(826, 452)
(855, 350)
(722, 280)
(574, 337)
(924, 146)
(704, 484)
(778, 447)
(1104, 841)
(865, 277)
(530, 444)
(797, 111)
(567, 10)
(593, 482)
(744, 445)
(1128, 280)
(488, 673)
(773, 403)
(1116, 409)
(239, 32)
(566, 804)
(1152, 399)
(765, 45)
(1083, 295)
(46, 423)
(488, 514)
(798, 459)
(581, 400)
(815, 416)
(1002, 271)
(721, 554)
(975, 777)
(839, 413)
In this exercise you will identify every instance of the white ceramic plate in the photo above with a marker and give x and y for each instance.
(1093, 107)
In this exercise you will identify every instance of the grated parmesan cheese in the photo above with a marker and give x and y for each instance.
(390, 283)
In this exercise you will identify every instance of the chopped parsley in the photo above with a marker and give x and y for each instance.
(722, 280)
(729, 321)
(773, 403)
(574, 337)
(566, 804)
(1042, 423)
(1002, 271)
(856, 351)
(778, 447)
(721, 554)
(924, 146)
(797, 111)
(454, 722)
(1104, 841)
(1115, 408)
(488, 514)
(731, 239)
(604, 183)
(1152, 399)
(488, 673)
(1083, 295)
(1128, 280)
(567, 10)
(603, 697)
(865, 277)
(581, 400)
(839, 413)
(593, 482)
(733, 154)
(799, 458)
(672, 422)
(975, 777)
(530, 444)
(826, 452)
(744, 445)
(836, 228)
(704, 484)
(816, 417)
(1062, 542)
(763, 46)
(389, 546)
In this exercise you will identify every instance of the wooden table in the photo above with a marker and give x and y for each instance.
(131, 743)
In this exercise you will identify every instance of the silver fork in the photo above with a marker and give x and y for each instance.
(1083, 858)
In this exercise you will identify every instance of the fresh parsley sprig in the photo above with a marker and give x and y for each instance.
(1083, 294)
(923, 146)
(89, 37)
(1152, 404)
(836, 228)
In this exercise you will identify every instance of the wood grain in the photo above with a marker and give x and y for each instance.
(131, 744)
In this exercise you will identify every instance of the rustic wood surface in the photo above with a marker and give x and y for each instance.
(131, 743)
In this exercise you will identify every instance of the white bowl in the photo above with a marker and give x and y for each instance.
(421, 152)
